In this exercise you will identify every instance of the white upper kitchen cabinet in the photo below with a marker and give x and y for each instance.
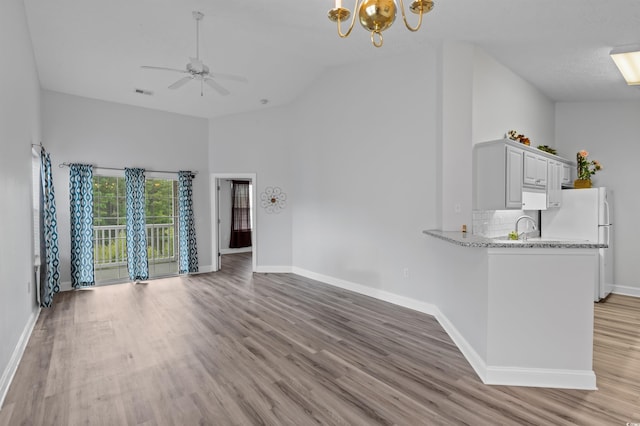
(497, 176)
(554, 184)
(507, 174)
(514, 178)
(566, 174)
(535, 170)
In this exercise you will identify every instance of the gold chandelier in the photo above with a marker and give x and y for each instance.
(377, 15)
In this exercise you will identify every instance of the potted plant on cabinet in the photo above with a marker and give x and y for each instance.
(586, 169)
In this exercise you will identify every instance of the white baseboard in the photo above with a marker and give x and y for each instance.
(384, 295)
(426, 308)
(473, 358)
(517, 376)
(236, 250)
(203, 269)
(490, 375)
(273, 269)
(12, 367)
(626, 290)
(541, 378)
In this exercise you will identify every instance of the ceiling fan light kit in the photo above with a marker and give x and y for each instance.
(197, 70)
(377, 15)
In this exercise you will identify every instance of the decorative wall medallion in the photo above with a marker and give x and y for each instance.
(273, 199)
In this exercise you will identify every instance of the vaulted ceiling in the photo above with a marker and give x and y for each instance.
(95, 48)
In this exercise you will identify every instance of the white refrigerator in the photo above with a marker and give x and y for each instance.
(585, 214)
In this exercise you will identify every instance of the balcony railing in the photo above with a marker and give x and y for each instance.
(110, 244)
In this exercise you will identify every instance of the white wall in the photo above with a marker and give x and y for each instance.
(456, 88)
(373, 160)
(463, 295)
(258, 142)
(364, 162)
(481, 100)
(105, 134)
(19, 127)
(609, 131)
(503, 101)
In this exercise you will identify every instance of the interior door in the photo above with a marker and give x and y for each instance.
(221, 216)
(218, 231)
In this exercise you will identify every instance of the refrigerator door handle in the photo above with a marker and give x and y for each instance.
(606, 209)
(604, 236)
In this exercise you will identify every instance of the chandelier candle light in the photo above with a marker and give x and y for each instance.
(377, 15)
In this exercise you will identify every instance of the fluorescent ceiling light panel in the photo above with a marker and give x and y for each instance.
(628, 62)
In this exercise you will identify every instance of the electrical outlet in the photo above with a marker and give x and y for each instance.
(457, 208)
(405, 272)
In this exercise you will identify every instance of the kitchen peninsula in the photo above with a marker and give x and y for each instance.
(520, 311)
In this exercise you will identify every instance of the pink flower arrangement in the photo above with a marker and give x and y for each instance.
(586, 168)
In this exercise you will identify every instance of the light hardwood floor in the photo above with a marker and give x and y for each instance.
(235, 348)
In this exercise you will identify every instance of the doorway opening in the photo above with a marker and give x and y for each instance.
(233, 214)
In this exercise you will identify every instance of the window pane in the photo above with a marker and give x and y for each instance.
(162, 226)
(109, 215)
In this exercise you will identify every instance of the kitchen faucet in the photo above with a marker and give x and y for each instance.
(533, 222)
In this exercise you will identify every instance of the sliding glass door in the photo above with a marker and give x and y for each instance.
(162, 226)
(109, 233)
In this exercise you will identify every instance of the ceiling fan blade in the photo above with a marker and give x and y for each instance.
(163, 69)
(216, 87)
(181, 82)
(229, 77)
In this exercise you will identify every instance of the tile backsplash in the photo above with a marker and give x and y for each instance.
(498, 223)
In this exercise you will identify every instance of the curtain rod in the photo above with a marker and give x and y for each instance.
(61, 165)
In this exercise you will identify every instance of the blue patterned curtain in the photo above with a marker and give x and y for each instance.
(137, 258)
(81, 203)
(51, 283)
(186, 229)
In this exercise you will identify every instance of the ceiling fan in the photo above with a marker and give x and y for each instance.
(197, 70)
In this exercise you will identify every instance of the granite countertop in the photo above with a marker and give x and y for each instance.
(469, 240)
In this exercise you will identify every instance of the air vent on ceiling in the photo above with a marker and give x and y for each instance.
(144, 92)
